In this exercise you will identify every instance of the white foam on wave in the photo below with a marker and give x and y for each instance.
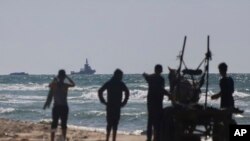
(136, 114)
(238, 115)
(77, 88)
(93, 129)
(103, 130)
(240, 94)
(21, 99)
(138, 94)
(97, 113)
(92, 95)
(6, 110)
(30, 97)
(135, 95)
(18, 101)
(24, 87)
(46, 121)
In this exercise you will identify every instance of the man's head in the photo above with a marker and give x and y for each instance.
(118, 74)
(158, 69)
(223, 68)
(61, 75)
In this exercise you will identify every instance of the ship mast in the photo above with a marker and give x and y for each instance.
(86, 60)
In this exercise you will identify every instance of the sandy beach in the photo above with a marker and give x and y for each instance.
(11, 130)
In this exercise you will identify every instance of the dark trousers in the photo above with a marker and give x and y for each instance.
(60, 112)
(154, 123)
(113, 116)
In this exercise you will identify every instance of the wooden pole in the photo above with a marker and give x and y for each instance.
(208, 56)
(182, 53)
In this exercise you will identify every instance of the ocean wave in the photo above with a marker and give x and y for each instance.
(21, 99)
(103, 130)
(30, 97)
(77, 88)
(45, 121)
(93, 95)
(24, 87)
(97, 113)
(38, 87)
(138, 94)
(103, 113)
(6, 110)
(18, 101)
(137, 114)
(241, 94)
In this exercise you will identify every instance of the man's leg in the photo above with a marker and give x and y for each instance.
(114, 132)
(115, 125)
(64, 118)
(157, 124)
(108, 130)
(149, 128)
(54, 124)
(52, 135)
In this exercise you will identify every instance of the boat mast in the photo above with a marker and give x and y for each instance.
(208, 58)
(181, 56)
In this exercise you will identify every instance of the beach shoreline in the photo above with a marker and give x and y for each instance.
(16, 130)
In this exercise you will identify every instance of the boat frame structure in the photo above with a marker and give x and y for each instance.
(194, 122)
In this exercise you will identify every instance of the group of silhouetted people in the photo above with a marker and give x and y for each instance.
(115, 88)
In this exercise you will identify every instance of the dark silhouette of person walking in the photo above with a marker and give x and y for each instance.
(156, 92)
(59, 91)
(115, 88)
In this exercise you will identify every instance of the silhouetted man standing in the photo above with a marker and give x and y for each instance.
(59, 91)
(226, 88)
(156, 91)
(226, 94)
(115, 88)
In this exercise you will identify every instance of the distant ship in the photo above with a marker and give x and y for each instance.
(86, 70)
(19, 73)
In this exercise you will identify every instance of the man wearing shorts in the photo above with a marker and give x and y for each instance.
(59, 91)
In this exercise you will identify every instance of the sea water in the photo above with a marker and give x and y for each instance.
(22, 98)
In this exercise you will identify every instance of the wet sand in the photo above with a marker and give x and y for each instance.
(11, 130)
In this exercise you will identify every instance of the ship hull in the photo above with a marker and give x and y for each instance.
(83, 73)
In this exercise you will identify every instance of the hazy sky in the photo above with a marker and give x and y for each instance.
(40, 37)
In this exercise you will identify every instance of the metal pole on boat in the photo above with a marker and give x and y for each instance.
(181, 56)
(208, 57)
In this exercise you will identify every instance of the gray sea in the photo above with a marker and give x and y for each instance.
(22, 98)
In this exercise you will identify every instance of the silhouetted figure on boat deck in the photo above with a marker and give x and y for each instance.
(226, 88)
(115, 88)
(226, 94)
(156, 92)
(59, 91)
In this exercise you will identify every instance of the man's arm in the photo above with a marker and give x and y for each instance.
(145, 75)
(165, 92)
(72, 83)
(126, 96)
(216, 96)
(100, 94)
(49, 99)
(50, 94)
(222, 89)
